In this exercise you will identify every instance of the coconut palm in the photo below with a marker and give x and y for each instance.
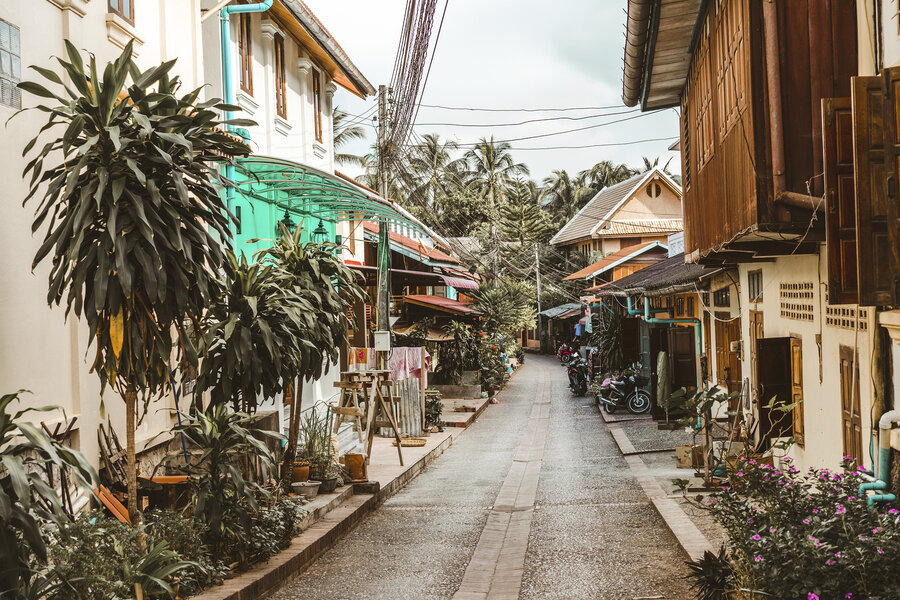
(435, 173)
(345, 132)
(605, 174)
(652, 164)
(561, 194)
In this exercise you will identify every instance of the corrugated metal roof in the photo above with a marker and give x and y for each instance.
(641, 227)
(665, 275)
(594, 211)
(614, 259)
(414, 245)
(561, 311)
(441, 303)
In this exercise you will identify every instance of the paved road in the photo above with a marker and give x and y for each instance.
(534, 501)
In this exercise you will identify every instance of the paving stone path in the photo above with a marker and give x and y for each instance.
(533, 501)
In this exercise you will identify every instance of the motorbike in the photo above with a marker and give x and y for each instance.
(566, 352)
(581, 373)
(625, 390)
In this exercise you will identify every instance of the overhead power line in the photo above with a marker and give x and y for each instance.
(560, 109)
(581, 118)
(628, 143)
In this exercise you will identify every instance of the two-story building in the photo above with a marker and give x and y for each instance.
(778, 139)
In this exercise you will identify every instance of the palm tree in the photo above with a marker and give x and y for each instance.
(491, 169)
(346, 131)
(434, 171)
(606, 173)
(652, 164)
(561, 193)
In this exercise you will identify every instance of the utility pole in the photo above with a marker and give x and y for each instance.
(494, 218)
(383, 301)
(537, 276)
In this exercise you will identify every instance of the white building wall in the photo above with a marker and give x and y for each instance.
(821, 354)
(40, 350)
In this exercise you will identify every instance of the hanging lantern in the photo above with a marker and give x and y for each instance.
(320, 234)
(287, 221)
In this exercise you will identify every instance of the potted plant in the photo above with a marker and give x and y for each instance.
(330, 478)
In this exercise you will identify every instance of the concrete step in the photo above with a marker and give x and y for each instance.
(459, 391)
(462, 412)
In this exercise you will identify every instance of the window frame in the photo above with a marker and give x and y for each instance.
(118, 11)
(280, 77)
(245, 49)
(11, 80)
(317, 104)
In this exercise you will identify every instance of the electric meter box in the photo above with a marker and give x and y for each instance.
(382, 341)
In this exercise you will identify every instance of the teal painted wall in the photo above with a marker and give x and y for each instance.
(258, 220)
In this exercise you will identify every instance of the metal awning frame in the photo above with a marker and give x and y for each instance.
(309, 191)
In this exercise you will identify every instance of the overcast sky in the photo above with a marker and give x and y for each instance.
(511, 54)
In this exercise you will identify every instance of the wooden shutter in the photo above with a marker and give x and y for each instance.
(851, 417)
(892, 176)
(874, 255)
(797, 388)
(840, 202)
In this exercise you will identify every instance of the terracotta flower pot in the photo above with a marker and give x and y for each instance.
(356, 463)
(300, 472)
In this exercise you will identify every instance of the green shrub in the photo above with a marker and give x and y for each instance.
(795, 535)
(99, 558)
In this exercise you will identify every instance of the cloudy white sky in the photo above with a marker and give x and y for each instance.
(511, 54)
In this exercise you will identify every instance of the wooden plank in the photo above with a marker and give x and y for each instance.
(840, 200)
(797, 389)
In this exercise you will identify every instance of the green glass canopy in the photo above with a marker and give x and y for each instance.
(306, 191)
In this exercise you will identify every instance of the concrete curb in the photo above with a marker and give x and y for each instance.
(689, 537)
(322, 529)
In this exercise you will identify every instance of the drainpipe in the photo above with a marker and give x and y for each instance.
(228, 72)
(773, 79)
(884, 460)
(694, 322)
(637, 313)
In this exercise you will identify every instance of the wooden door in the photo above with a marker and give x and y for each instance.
(682, 358)
(757, 332)
(631, 340)
(728, 363)
(707, 343)
(851, 418)
(659, 342)
(775, 383)
(797, 388)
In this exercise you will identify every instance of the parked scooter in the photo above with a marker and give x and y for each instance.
(581, 373)
(566, 352)
(625, 390)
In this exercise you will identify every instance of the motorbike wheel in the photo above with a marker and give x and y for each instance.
(639, 402)
(565, 359)
(609, 408)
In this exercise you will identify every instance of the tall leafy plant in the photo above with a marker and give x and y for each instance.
(26, 501)
(314, 273)
(250, 337)
(225, 498)
(127, 192)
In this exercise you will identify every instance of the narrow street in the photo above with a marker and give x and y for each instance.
(533, 501)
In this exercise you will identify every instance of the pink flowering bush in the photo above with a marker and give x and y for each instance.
(806, 535)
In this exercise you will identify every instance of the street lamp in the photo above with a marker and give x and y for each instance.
(287, 221)
(320, 234)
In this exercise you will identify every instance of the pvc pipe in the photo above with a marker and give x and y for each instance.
(228, 72)
(694, 322)
(885, 423)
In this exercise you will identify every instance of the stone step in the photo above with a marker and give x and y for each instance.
(459, 391)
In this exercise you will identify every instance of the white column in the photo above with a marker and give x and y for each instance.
(305, 133)
(328, 122)
(267, 101)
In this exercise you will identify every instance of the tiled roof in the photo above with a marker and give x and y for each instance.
(414, 245)
(441, 303)
(595, 210)
(668, 274)
(611, 260)
(642, 227)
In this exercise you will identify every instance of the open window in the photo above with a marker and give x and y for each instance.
(780, 383)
